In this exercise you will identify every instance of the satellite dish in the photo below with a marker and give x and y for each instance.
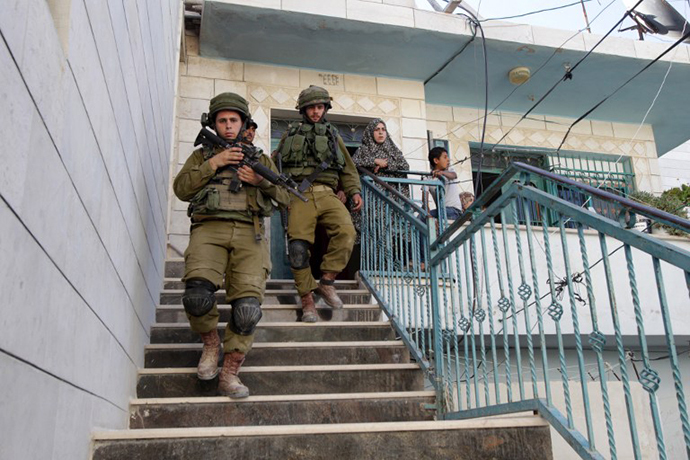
(658, 17)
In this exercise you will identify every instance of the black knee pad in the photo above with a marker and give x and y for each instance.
(246, 313)
(299, 254)
(199, 296)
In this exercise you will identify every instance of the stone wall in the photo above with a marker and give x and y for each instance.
(86, 107)
(460, 126)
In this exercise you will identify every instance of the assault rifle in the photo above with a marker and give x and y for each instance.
(251, 154)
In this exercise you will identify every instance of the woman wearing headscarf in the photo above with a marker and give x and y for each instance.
(382, 157)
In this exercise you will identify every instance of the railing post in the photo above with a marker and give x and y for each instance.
(439, 381)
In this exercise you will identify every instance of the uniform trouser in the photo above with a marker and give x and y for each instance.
(229, 248)
(323, 208)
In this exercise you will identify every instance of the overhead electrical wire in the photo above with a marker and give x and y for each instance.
(554, 53)
(475, 23)
(597, 105)
(569, 71)
(536, 12)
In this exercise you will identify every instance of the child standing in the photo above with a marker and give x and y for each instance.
(441, 169)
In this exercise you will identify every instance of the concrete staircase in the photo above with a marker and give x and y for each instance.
(343, 388)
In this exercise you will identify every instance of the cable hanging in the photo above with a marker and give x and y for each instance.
(569, 71)
(468, 157)
(583, 116)
(536, 12)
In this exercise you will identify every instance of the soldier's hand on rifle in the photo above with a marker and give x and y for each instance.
(357, 202)
(247, 174)
(231, 156)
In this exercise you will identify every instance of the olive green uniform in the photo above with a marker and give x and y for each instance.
(303, 147)
(223, 243)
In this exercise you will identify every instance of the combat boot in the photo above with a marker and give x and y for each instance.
(309, 309)
(326, 290)
(229, 383)
(208, 364)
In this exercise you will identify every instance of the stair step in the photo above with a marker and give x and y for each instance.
(271, 283)
(291, 353)
(280, 313)
(515, 438)
(349, 331)
(281, 380)
(271, 296)
(281, 410)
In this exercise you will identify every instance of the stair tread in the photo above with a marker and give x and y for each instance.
(282, 306)
(274, 369)
(281, 398)
(278, 280)
(272, 291)
(368, 343)
(350, 324)
(282, 430)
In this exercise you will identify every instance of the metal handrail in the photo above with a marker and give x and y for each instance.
(648, 211)
(486, 312)
(517, 167)
(395, 192)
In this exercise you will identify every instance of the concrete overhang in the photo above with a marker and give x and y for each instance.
(378, 39)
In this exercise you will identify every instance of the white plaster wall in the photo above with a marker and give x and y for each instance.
(613, 374)
(86, 136)
(675, 167)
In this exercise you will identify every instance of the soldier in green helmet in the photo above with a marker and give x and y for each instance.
(226, 246)
(312, 152)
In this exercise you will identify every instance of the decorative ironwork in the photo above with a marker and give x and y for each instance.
(463, 270)
(650, 380)
(524, 291)
(480, 314)
(464, 324)
(597, 340)
(503, 304)
(555, 311)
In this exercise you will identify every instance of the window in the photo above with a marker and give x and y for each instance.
(441, 143)
(607, 172)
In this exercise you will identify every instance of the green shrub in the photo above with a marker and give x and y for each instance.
(672, 201)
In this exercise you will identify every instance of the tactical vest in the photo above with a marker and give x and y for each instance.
(216, 199)
(309, 145)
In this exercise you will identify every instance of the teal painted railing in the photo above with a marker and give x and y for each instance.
(507, 315)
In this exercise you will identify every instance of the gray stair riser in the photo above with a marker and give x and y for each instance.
(284, 334)
(529, 443)
(270, 284)
(282, 383)
(283, 316)
(280, 413)
(287, 356)
(273, 297)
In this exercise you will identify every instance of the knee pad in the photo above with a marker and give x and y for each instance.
(199, 296)
(246, 313)
(298, 251)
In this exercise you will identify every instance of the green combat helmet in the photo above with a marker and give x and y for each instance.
(226, 101)
(312, 96)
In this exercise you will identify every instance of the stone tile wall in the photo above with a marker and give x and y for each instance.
(463, 125)
(86, 127)
(399, 102)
